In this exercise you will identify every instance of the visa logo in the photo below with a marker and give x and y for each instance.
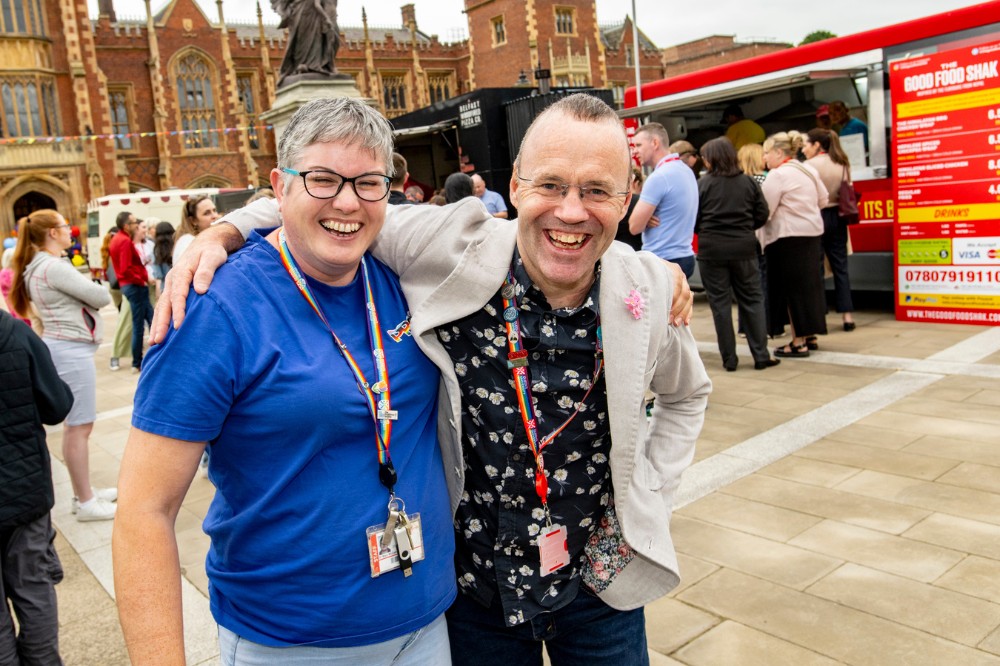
(969, 254)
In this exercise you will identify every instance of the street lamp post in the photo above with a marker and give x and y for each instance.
(635, 58)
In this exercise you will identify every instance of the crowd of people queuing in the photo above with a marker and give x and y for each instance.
(765, 211)
(469, 343)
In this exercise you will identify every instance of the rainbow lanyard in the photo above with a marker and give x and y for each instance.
(377, 394)
(517, 362)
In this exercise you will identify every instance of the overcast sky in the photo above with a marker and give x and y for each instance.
(665, 23)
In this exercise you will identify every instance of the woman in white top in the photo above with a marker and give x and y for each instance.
(791, 240)
(67, 304)
(823, 152)
(197, 215)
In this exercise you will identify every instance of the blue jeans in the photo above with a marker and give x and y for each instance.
(686, 264)
(423, 647)
(586, 631)
(142, 314)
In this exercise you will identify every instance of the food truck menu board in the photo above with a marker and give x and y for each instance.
(946, 140)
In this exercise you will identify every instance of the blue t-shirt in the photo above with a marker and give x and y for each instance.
(493, 202)
(673, 189)
(254, 371)
(855, 126)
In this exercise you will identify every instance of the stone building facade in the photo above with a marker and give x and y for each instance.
(106, 105)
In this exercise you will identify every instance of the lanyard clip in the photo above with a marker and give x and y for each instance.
(387, 474)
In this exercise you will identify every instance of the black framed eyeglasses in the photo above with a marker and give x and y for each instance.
(325, 184)
(552, 189)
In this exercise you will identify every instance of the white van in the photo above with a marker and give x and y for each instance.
(103, 211)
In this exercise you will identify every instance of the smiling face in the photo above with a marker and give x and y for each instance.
(560, 238)
(327, 237)
(205, 214)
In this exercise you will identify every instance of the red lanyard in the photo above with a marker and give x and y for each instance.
(669, 158)
(376, 395)
(517, 361)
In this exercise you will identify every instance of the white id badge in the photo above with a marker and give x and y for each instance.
(553, 550)
(385, 559)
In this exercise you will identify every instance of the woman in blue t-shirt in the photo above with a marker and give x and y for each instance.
(331, 534)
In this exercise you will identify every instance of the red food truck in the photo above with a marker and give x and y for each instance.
(930, 175)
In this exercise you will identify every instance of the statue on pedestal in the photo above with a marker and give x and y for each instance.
(313, 40)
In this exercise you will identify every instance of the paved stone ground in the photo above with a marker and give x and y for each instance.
(842, 509)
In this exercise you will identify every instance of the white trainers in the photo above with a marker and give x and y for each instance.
(115, 365)
(96, 509)
(106, 494)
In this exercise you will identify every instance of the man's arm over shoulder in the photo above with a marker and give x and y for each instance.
(426, 233)
(199, 262)
(261, 214)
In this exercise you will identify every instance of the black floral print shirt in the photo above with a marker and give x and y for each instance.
(500, 515)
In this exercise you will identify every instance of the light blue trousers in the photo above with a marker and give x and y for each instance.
(425, 647)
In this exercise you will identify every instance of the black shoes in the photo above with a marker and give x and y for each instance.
(792, 351)
(849, 326)
(769, 363)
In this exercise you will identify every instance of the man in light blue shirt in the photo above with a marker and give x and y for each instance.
(493, 201)
(668, 205)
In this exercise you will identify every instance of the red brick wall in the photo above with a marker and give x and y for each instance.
(498, 66)
(712, 51)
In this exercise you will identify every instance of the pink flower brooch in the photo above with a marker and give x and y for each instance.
(635, 304)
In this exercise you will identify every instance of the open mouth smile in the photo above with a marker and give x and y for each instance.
(340, 228)
(567, 241)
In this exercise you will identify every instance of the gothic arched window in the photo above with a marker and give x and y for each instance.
(195, 79)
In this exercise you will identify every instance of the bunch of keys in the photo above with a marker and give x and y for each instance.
(398, 544)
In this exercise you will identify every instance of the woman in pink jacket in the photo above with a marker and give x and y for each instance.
(792, 244)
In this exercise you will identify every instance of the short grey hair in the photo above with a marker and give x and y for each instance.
(335, 119)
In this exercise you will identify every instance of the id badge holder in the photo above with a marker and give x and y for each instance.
(385, 558)
(553, 549)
